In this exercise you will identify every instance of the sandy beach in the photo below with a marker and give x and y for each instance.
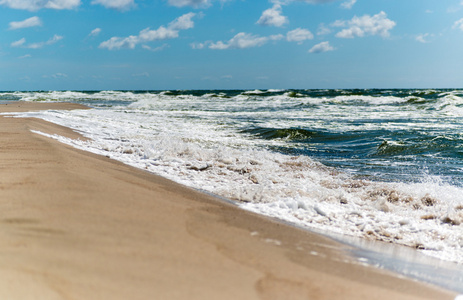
(75, 225)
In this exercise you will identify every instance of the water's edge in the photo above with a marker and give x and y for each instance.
(399, 259)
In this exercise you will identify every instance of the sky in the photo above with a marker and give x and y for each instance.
(230, 44)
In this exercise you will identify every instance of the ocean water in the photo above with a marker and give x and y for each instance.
(377, 164)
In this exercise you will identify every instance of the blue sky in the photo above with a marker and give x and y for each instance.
(230, 44)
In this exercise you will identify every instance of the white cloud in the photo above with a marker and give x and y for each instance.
(157, 49)
(51, 41)
(18, 43)
(144, 74)
(198, 45)
(322, 47)
(59, 75)
(33, 5)
(25, 56)
(183, 22)
(276, 37)
(31, 22)
(56, 76)
(95, 32)
(422, 38)
(339, 23)
(323, 30)
(299, 35)
(192, 3)
(118, 43)
(149, 35)
(273, 17)
(348, 4)
(115, 4)
(458, 24)
(378, 24)
(240, 41)
(22, 43)
(244, 40)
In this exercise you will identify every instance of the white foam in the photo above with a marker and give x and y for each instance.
(70, 96)
(295, 189)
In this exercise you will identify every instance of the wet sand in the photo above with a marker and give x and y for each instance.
(74, 225)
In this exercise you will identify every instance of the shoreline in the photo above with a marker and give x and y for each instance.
(83, 226)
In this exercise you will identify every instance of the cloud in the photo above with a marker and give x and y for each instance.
(118, 43)
(243, 40)
(422, 38)
(378, 24)
(18, 43)
(323, 30)
(51, 41)
(59, 75)
(22, 43)
(95, 32)
(31, 22)
(299, 35)
(192, 3)
(458, 24)
(348, 4)
(56, 76)
(183, 22)
(240, 41)
(322, 47)
(144, 74)
(148, 35)
(273, 17)
(34, 5)
(198, 46)
(157, 49)
(115, 4)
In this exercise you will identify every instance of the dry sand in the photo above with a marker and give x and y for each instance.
(74, 225)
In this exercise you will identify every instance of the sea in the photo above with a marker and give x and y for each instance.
(374, 164)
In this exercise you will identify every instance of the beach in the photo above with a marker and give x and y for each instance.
(77, 225)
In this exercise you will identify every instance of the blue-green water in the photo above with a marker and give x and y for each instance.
(379, 134)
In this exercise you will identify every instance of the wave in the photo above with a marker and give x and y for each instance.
(442, 146)
(429, 99)
(293, 134)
